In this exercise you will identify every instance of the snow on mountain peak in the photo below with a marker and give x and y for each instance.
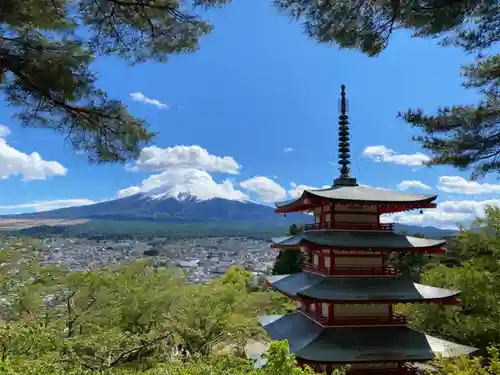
(180, 195)
(162, 193)
(186, 184)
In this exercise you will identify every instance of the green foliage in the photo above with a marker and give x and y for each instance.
(294, 229)
(289, 261)
(476, 321)
(47, 47)
(411, 263)
(225, 314)
(466, 135)
(368, 25)
(129, 319)
(462, 135)
(471, 366)
(279, 362)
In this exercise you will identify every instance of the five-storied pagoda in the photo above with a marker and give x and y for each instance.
(347, 290)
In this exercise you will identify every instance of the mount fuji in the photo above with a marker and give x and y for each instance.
(170, 205)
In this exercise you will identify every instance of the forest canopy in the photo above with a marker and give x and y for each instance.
(132, 317)
(472, 266)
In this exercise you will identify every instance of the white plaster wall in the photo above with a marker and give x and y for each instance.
(325, 310)
(328, 261)
(316, 259)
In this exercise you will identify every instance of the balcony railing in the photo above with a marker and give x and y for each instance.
(351, 271)
(317, 226)
(395, 319)
(350, 226)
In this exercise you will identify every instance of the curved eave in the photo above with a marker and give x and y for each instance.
(360, 290)
(357, 240)
(370, 195)
(393, 201)
(311, 342)
(448, 349)
(300, 204)
(425, 250)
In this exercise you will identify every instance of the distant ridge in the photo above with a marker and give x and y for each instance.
(180, 208)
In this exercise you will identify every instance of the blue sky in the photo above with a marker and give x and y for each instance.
(257, 87)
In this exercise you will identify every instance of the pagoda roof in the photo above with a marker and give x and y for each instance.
(311, 342)
(357, 289)
(357, 240)
(358, 193)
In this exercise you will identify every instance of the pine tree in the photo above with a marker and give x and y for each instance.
(465, 136)
(47, 47)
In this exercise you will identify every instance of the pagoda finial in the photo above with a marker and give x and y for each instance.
(344, 144)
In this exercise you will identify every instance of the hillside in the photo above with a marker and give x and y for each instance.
(262, 230)
(176, 213)
(178, 209)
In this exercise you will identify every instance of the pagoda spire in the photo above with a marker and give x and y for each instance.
(345, 178)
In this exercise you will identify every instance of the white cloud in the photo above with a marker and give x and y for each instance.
(191, 157)
(288, 149)
(46, 205)
(266, 189)
(131, 190)
(382, 154)
(457, 184)
(4, 131)
(409, 184)
(30, 166)
(185, 181)
(140, 97)
(447, 215)
(297, 190)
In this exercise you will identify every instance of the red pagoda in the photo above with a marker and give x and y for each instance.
(347, 290)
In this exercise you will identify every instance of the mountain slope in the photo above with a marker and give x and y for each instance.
(182, 208)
